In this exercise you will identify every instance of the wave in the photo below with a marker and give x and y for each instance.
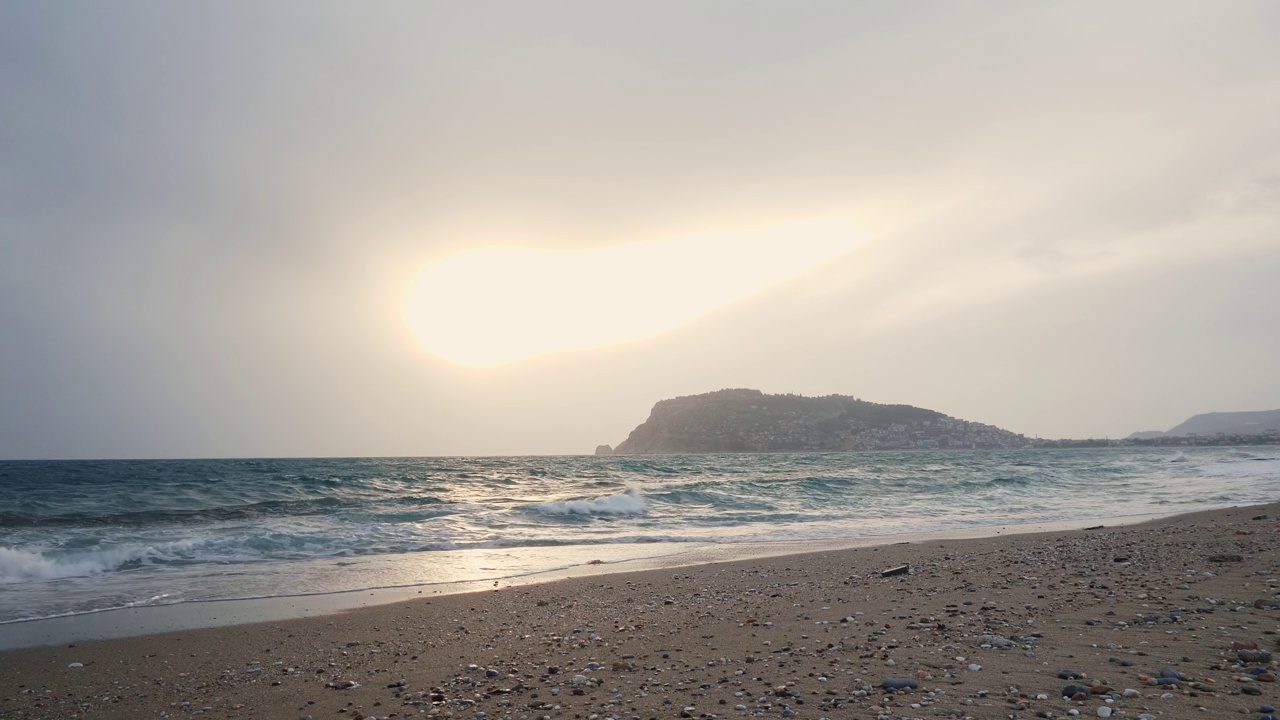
(634, 465)
(512, 543)
(629, 502)
(101, 605)
(18, 566)
(155, 600)
(267, 509)
(252, 511)
(1008, 482)
(692, 498)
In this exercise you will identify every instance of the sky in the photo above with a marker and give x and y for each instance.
(404, 228)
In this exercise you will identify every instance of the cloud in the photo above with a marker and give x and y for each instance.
(495, 305)
(210, 214)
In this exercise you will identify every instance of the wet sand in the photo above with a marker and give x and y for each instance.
(982, 627)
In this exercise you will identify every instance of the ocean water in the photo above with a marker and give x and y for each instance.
(85, 536)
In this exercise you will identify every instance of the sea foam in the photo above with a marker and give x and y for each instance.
(625, 503)
(18, 565)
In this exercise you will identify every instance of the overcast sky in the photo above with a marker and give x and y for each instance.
(216, 218)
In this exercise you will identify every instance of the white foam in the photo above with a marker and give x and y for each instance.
(23, 565)
(626, 503)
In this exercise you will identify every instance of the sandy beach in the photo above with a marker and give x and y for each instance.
(1175, 618)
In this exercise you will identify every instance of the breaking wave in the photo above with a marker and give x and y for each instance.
(17, 565)
(625, 503)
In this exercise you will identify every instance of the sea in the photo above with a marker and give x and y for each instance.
(80, 537)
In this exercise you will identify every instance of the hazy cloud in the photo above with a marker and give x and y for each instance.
(210, 214)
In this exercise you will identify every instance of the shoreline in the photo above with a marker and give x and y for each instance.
(142, 620)
(993, 627)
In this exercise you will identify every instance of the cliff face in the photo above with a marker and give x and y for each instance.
(751, 421)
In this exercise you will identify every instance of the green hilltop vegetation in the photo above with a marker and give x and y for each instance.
(741, 420)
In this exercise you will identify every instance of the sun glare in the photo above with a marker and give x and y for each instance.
(497, 305)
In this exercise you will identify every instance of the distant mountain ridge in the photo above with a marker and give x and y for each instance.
(1259, 422)
(744, 420)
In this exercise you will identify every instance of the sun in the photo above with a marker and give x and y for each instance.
(503, 304)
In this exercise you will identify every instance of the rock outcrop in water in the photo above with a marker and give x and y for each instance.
(750, 421)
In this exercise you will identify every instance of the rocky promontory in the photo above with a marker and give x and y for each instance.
(742, 420)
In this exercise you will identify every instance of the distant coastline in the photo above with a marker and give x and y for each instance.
(1219, 440)
(741, 420)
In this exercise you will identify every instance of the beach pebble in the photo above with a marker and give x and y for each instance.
(76, 665)
(1071, 691)
(974, 667)
(1171, 673)
(1070, 674)
(898, 684)
(995, 641)
(1104, 712)
(343, 685)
